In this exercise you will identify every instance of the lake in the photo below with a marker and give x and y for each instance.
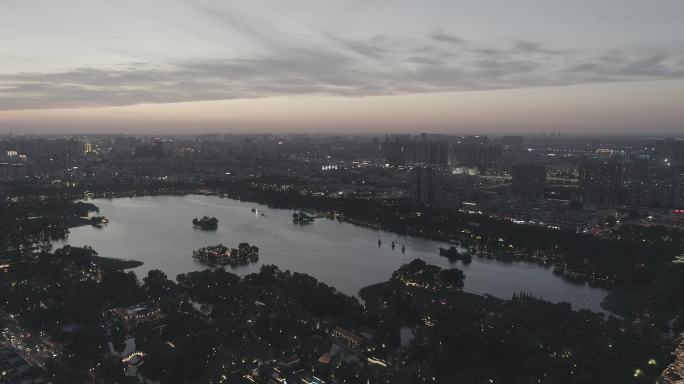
(158, 231)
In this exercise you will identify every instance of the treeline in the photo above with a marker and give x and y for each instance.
(464, 338)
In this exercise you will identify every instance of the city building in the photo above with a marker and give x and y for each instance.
(601, 181)
(528, 181)
(512, 142)
(475, 152)
(429, 152)
(670, 152)
(138, 314)
(423, 185)
(350, 338)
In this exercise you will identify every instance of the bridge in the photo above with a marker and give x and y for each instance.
(134, 358)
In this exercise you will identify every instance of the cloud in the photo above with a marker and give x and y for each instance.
(622, 68)
(446, 38)
(381, 65)
(532, 47)
(376, 48)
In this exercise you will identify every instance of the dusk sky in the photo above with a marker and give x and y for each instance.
(171, 66)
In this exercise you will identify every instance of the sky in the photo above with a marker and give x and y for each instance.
(354, 66)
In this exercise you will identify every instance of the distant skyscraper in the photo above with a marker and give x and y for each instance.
(601, 181)
(639, 168)
(429, 152)
(88, 147)
(528, 181)
(670, 153)
(512, 142)
(158, 150)
(476, 152)
(404, 150)
(65, 149)
(423, 185)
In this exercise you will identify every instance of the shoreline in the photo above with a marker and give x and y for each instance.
(563, 270)
(342, 218)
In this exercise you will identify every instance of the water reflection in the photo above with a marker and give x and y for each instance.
(158, 231)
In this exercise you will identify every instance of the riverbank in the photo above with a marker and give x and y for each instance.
(110, 264)
(343, 255)
(379, 216)
(485, 338)
(575, 258)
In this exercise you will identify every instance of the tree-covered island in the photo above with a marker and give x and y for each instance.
(207, 223)
(453, 255)
(220, 255)
(429, 277)
(302, 218)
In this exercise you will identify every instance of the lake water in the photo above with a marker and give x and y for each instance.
(158, 231)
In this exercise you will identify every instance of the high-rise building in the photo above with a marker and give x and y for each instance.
(423, 185)
(657, 194)
(528, 181)
(66, 149)
(451, 189)
(395, 149)
(639, 168)
(158, 150)
(438, 188)
(476, 152)
(88, 148)
(512, 142)
(601, 181)
(403, 150)
(429, 152)
(670, 152)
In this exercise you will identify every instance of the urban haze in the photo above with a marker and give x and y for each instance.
(329, 192)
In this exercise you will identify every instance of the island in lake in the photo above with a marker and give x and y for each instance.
(419, 274)
(302, 218)
(453, 255)
(220, 255)
(205, 222)
(97, 221)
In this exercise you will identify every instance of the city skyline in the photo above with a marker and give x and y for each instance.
(606, 67)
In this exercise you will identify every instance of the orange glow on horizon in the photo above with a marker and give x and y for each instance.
(613, 107)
